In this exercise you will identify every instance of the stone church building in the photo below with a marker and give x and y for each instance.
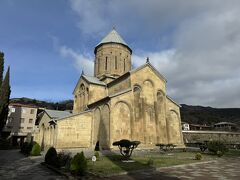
(118, 102)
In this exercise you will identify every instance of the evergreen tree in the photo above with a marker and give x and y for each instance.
(4, 99)
(1, 68)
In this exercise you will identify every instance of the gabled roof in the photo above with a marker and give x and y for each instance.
(90, 80)
(223, 123)
(55, 114)
(152, 67)
(23, 105)
(173, 101)
(112, 37)
(107, 98)
(93, 80)
(75, 114)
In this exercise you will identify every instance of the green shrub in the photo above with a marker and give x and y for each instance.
(96, 154)
(68, 163)
(51, 157)
(26, 148)
(219, 153)
(198, 156)
(78, 164)
(150, 162)
(36, 150)
(215, 146)
(63, 158)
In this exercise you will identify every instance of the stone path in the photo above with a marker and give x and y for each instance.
(222, 169)
(14, 165)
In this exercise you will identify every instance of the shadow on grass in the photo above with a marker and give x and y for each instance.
(113, 166)
(112, 162)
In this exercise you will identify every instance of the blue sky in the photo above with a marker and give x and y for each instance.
(37, 69)
(195, 44)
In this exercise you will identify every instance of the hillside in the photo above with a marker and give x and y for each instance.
(209, 115)
(190, 114)
(62, 105)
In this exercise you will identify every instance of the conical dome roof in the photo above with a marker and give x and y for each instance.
(112, 37)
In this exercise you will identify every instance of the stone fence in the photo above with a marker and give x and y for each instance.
(200, 136)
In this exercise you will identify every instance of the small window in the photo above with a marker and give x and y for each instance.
(10, 119)
(115, 62)
(22, 120)
(32, 111)
(13, 110)
(124, 68)
(106, 63)
(29, 127)
(21, 127)
(98, 65)
(30, 120)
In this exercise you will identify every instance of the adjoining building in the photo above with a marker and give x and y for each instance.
(118, 102)
(185, 126)
(20, 122)
(200, 127)
(225, 126)
(47, 121)
(221, 126)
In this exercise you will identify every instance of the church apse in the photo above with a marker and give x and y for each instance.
(121, 121)
(149, 113)
(160, 106)
(173, 123)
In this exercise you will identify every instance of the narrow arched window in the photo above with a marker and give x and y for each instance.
(115, 62)
(98, 65)
(124, 65)
(137, 102)
(106, 63)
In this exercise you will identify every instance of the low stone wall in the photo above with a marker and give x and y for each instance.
(200, 136)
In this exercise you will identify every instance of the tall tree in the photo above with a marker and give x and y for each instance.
(1, 68)
(4, 99)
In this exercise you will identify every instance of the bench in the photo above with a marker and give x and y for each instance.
(166, 147)
(233, 146)
(201, 145)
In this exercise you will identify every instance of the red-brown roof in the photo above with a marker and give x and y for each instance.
(23, 105)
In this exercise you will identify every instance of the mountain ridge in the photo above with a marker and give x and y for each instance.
(189, 113)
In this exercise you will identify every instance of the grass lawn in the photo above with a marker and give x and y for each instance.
(232, 153)
(113, 164)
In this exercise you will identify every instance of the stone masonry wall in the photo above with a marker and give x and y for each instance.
(75, 131)
(200, 136)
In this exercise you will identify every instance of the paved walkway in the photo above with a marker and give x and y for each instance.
(14, 165)
(222, 169)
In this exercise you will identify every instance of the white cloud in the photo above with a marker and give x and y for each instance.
(81, 61)
(91, 15)
(195, 44)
